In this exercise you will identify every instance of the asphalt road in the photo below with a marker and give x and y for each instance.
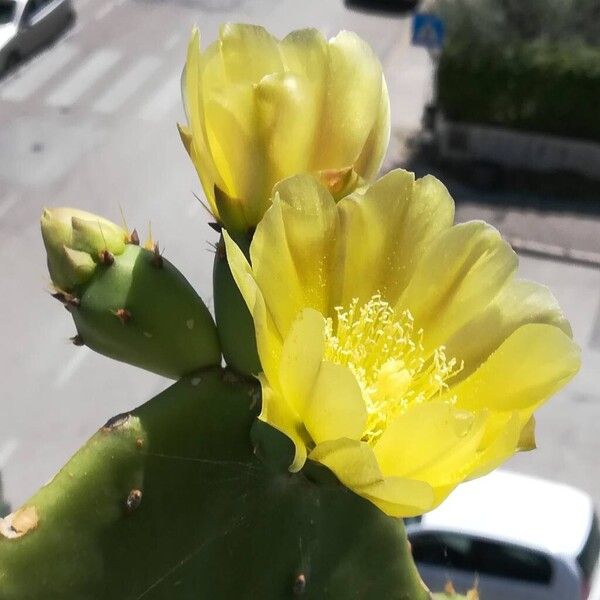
(91, 123)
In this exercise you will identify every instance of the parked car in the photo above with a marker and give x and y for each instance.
(519, 537)
(28, 25)
(388, 5)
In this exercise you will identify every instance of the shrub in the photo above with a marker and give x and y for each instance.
(530, 65)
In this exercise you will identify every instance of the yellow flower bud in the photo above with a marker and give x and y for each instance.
(74, 241)
(261, 109)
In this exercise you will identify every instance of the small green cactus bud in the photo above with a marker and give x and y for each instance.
(75, 242)
(146, 316)
(127, 301)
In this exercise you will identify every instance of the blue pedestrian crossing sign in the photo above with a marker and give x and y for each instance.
(428, 31)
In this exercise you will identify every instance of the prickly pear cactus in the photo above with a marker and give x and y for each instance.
(173, 501)
(285, 473)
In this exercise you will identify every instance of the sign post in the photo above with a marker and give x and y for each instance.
(428, 31)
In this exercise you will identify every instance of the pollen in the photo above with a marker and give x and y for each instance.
(385, 352)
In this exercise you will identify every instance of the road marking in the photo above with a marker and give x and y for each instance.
(163, 100)
(125, 87)
(172, 41)
(38, 73)
(71, 367)
(6, 451)
(79, 25)
(96, 65)
(104, 10)
(7, 203)
(594, 341)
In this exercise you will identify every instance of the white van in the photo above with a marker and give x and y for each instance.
(517, 537)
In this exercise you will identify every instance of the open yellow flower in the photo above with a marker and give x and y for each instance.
(398, 350)
(261, 109)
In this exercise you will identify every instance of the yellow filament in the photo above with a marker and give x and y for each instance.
(388, 359)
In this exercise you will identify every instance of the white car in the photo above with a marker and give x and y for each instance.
(28, 25)
(519, 537)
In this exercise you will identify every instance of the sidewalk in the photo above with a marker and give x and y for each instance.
(409, 75)
(538, 223)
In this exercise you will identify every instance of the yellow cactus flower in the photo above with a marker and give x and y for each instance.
(398, 350)
(261, 109)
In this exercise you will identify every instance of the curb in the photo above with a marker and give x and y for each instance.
(571, 255)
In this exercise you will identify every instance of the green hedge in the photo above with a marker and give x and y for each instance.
(537, 86)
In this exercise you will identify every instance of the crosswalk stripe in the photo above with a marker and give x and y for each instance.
(6, 204)
(6, 451)
(104, 10)
(163, 100)
(92, 69)
(172, 41)
(38, 73)
(127, 85)
(71, 366)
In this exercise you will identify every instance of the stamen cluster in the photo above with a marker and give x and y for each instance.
(386, 355)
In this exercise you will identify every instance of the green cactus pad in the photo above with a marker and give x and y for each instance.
(234, 322)
(170, 502)
(141, 310)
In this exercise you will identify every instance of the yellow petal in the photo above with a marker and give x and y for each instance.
(400, 497)
(241, 271)
(292, 249)
(373, 153)
(225, 130)
(194, 136)
(527, 436)
(336, 408)
(531, 365)
(422, 435)
(518, 303)
(384, 232)
(249, 52)
(353, 462)
(456, 278)
(280, 415)
(498, 449)
(185, 133)
(459, 461)
(306, 52)
(268, 340)
(232, 133)
(351, 102)
(287, 116)
(301, 358)
(355, 465)
(191, 78)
